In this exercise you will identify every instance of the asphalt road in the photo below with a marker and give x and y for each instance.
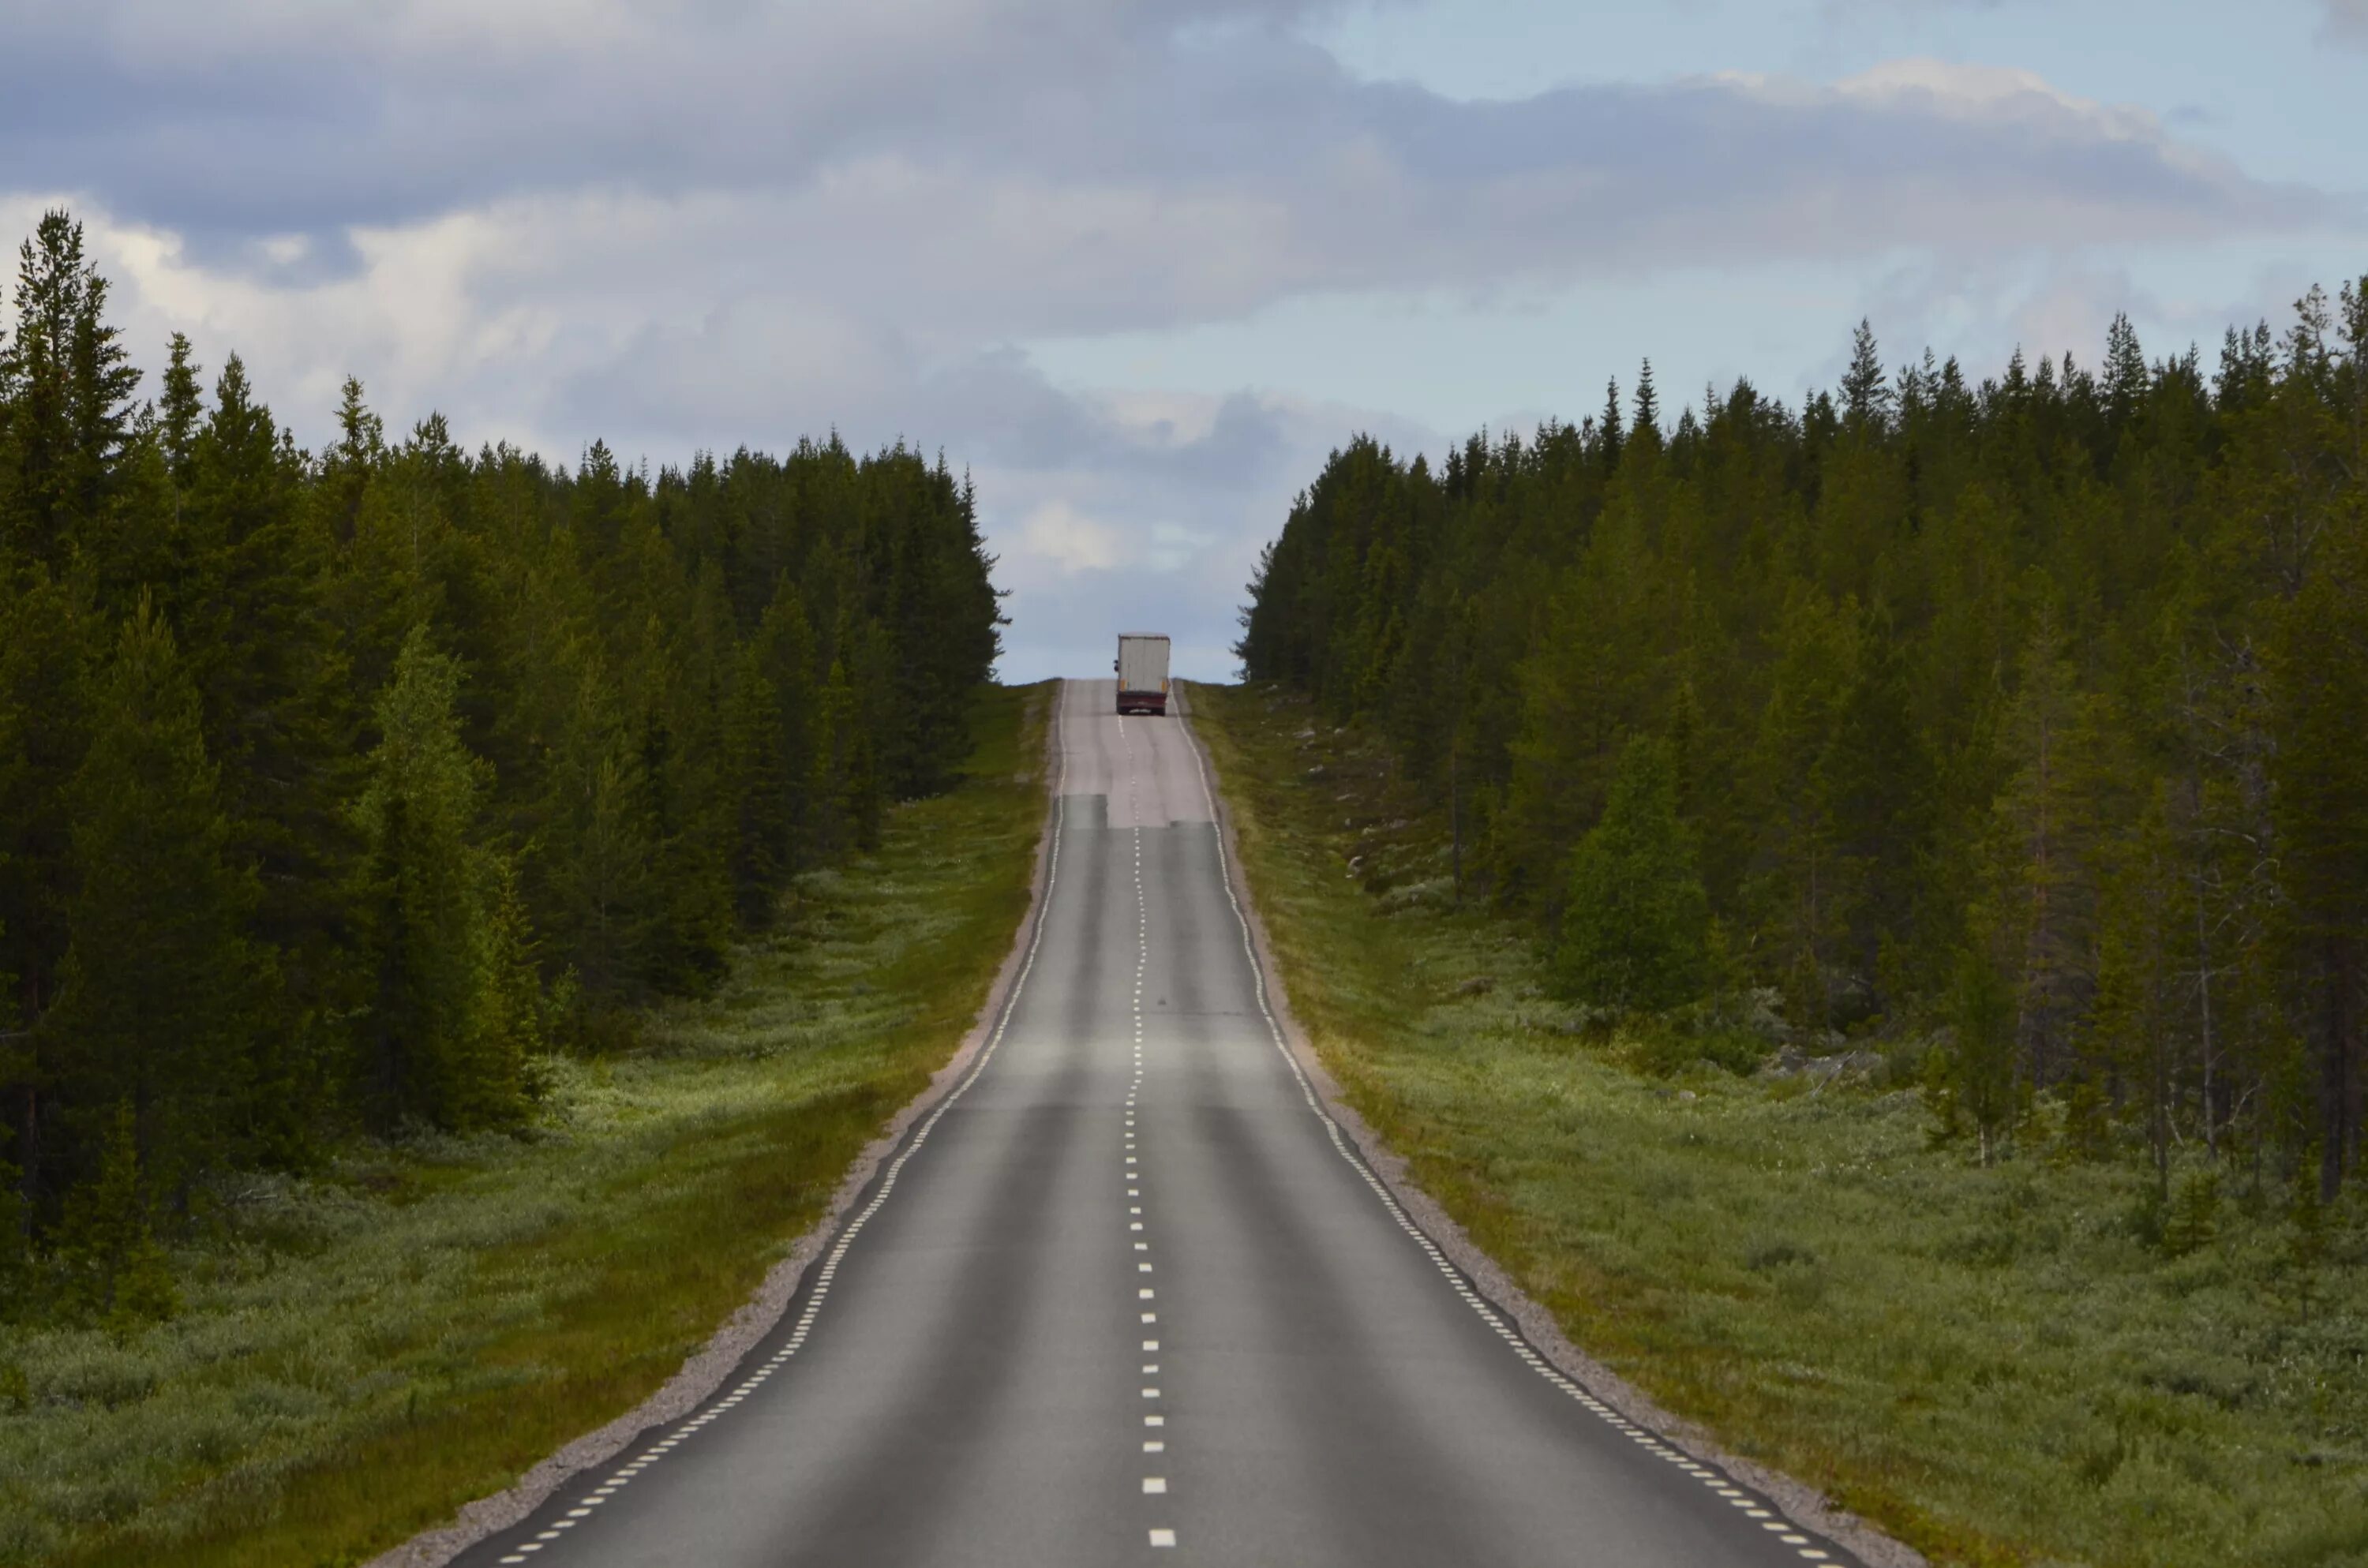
(1129, 1296)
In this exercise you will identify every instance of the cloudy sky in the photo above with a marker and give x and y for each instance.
(1138, 266)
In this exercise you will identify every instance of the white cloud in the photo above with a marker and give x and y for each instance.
(1057, 533)
(704, 222)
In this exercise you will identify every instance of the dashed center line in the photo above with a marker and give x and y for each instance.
(827, 1273)
(1152, 1486)
(1652, 1442)
(1153, 1420)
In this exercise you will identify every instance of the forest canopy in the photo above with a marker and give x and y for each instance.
(2022, 715)
(335, 786)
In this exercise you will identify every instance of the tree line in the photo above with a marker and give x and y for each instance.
(336, 787)
(2025, 717)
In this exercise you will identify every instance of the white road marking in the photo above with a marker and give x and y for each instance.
(1341, 1145)
(827, 1273)
(1152, 1486)
(1163, 1538)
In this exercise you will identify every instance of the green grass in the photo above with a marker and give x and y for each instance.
(1988, 1363)
(369, 1350)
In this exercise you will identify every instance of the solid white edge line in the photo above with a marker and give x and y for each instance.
(1341, 1144)
(823, 1278)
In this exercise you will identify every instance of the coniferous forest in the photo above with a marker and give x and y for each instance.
(337, 787)
(2023, 717)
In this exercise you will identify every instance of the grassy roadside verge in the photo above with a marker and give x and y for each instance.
(372, 1349)
(1988, 1363)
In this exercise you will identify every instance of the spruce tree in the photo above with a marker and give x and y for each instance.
(180, 409)
(68, 381)
(755, 757)
(160, 993)
(441, 1035)
(116, 1271)
(1866, 391)
(280, 711)
(1978, 1068)
(1647, 424)
(1635, 927)
(2321, 811)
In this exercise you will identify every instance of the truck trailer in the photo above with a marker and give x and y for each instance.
(1141, 667)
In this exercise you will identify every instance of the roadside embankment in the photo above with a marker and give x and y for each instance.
(363, 1353)
(1995, 1365)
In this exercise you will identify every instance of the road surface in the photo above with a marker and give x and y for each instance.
(1128, 1296)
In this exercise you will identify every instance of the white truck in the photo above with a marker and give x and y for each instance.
(1141, 667)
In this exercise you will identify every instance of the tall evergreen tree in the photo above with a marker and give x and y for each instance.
(160, 992)
(180, 410)
(269, 865)
(444, 1009)
(68, 382)
(1635, 929)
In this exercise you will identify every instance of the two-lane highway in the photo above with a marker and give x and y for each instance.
(1128, 1294)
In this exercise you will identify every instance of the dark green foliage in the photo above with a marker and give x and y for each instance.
(437, 1038)
(1971, 1081)
(335, 788)
(114, 1269)
(65, 386)
(160, 988)
(1635, 930)
(2060, 669)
